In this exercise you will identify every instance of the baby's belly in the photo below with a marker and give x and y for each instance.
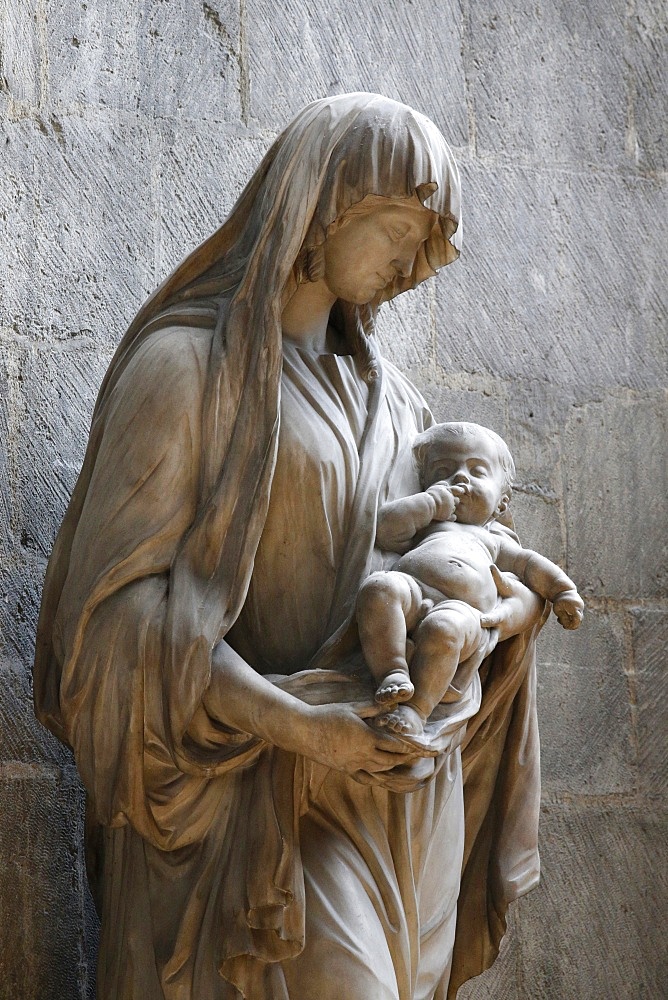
(468, 580)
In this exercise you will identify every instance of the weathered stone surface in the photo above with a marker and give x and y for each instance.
(78, 208)
(466, 398)
(650, 669)
(584, 708)
(563, 100)
(501, 982)
(539, 523)
(24, 60)
(593, 929)
(615, 496)
(21, 576)
(155, 59)
(41, 956)
(200, 170)
(566, 287)
(57, 386)
(22, 738)
(647, 103)
(537, 413)
(311, 52)
(405, 331)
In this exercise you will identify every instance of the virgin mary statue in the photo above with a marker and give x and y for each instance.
(250, 832)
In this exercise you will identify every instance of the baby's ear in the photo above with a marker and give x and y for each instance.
(420, 447)
(502, 505)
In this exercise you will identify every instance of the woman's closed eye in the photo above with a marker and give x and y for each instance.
(398, 233)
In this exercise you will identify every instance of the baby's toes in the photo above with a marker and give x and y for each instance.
(405, 721)
(395, 687)
(404, 691)
(395, 723)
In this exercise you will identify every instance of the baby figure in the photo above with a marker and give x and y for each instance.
(446, 578)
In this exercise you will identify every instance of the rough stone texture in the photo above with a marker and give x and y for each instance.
(650, 696)
(127, 132)
(41, 889)
(575, 939)
(587, 739)
(522, 53)
(621, 442)
(311, 50)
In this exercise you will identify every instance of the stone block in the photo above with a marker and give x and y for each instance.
(52, 413)
(312, 51)
(8, 391)
(21, 577)
(22, 738)
(23, 56)
(538, 522)
(544, 82)
(537, 412)
(502, 980)
(583, 708)
(650, 642)
(464, 397)
(201, 170)
(647, 58)
(560, 280)
(405, 333)
(615, 489)
(158, 59)
(593, 928)
(41, 889)
(80, 226)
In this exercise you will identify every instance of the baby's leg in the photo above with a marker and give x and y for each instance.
(445, 637)
(388, 605)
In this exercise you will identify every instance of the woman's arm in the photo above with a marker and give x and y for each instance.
(518, 610)
(333, 735)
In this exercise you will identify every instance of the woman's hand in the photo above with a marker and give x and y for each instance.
(336, 736)
(333, 735)
(519, 609)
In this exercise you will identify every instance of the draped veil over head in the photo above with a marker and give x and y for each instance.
(336, 152)
(142, 771)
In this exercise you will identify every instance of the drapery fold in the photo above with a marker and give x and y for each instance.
(155, 558)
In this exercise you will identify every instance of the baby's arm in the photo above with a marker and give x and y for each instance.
(400, 520)
(545, 578)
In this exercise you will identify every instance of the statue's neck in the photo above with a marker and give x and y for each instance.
(306, 316)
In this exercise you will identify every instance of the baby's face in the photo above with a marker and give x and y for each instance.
(472, 462)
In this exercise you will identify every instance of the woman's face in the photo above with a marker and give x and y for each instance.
(370, 248)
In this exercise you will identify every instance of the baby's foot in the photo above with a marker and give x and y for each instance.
(395, 686)
(402, 719)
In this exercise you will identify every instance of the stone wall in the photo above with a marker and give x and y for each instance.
(127, 129)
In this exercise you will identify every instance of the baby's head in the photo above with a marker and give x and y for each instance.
(471, 456)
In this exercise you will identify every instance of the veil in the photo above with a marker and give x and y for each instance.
(335, 153)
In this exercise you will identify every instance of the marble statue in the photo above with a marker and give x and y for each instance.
(441, 589)
(251, 830)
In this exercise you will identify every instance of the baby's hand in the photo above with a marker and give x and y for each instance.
(446, 499)
(569, 608)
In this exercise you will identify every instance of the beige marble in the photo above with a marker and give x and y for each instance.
(252, 830)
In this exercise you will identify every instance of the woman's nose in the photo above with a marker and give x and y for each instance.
(403, 264)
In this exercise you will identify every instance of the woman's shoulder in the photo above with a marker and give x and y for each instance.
(167, 364)
(173, 352)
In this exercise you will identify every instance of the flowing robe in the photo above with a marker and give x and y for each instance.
(272, 876)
